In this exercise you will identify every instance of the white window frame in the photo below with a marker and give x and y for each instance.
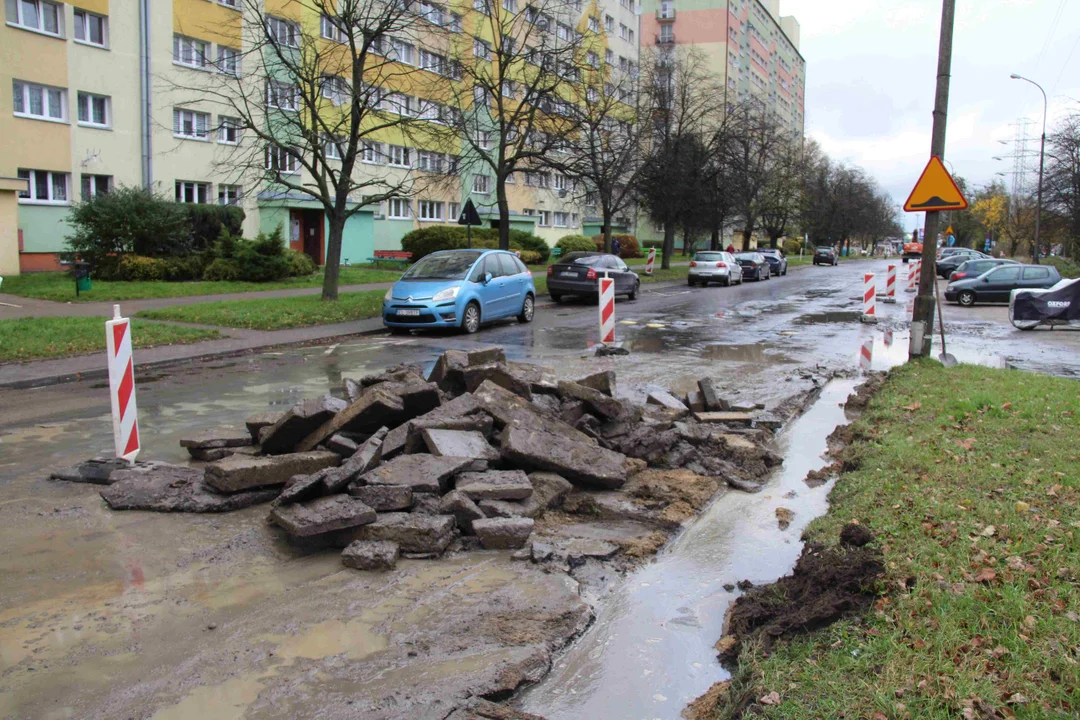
(453, 212)
(481, 49)
(371, 153)
(594, 24)
(429, 211)
(30, 197)
(281, 160)
(667, 33)
(401, 51)
(399, 156)
(398, 209)
(544, 218)
(282, 31)
(483, 139)
(432, 162)
(48, 101)
(561, 219)
(335, 89)
(630, 39)
(609, 24)
(197, 188)
(199, 51)
(88, 185)
(509, 5)
(226, 124)
(508, 89)
(228, 60)
(560, 181)
(481, 184)
(482, 6)
(277, 91)
(332, 147)
(232, 4)
(80, 31)
(229, 195)
(88, 99)
(330, 30)
(181, 115)
(21, 22)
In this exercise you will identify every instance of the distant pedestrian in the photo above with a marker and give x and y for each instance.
(730, 248)
(616, 247)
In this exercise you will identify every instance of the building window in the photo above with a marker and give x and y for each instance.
(228, 60)
(631, 36)
(90, 28)
(190, 52)
(330, 29)
(430, 162)
(234, 4)
(481, 184)
(281, 31)
(39, 101)
(510, 179)
(282, 95)
(45, 187)
(545, 218)
(562, 219)
(192, 192)
(335, 89)
(667, 33)
(479, 96)
(400, 156)
(371, 153)
(228, 131)
(454, 23)
(94, 185)
(509, 89)
(402, 52)
(46, 17)
(228, 194)
(430, 11)
(667, 9)
(190, 124)
(430, 210)
(560, 182)
(481, 49)
(609, 23)
(399, 209)
(482, 6)
(483, 139)
(455, 212)
(333, 147)
(543, 180)
(593, 59)
(594, 24)
(509, 5)
(281, 159)
(94, 110)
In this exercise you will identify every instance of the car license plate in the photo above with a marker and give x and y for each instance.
(409, 313)
(568, 274)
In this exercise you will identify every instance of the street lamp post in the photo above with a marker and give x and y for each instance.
(1042, 155)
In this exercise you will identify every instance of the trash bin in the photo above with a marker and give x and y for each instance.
(81, 271)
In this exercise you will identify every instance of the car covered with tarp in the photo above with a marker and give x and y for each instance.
(1055, 306)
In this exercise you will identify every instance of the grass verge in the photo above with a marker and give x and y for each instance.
(275, 313)
(52, 337)
(60, 287)
(970, 479)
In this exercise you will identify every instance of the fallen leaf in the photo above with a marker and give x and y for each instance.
(1016, 699)
(986, 575)
(1006, 406)
(1021, 506)
(1052, 492)
(879, 716)
(772, 698)
(988, 531)
(913, 406)
(967, 444)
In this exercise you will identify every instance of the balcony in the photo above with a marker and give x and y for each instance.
(665, 39)
(665, 15)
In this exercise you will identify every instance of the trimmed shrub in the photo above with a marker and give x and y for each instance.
(300, 264)
(649, 244)
(136, 267)
(629, 247)
(519, 239)
(530, 257)
(222, 270)
(209, 221)
(260, 260)
(183, 269)
(427, 240)
(575, 243)
(792, 247)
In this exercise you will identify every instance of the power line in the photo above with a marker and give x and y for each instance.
(1050, 35)
(1066, 65)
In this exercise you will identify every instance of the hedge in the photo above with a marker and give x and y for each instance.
(424, 241)
(628, 245)
(575, 243)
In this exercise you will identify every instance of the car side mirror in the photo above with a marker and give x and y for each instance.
(487, 278)
(986, 279)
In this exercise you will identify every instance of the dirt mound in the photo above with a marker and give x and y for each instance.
(704, 707)
(825, 585)
(861, 397)
(855, 535)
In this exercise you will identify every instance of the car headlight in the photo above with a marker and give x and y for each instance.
(389, 295)
(448, 294)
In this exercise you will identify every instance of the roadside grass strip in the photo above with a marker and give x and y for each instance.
(275, 313)
(52, 337)
(969, 478)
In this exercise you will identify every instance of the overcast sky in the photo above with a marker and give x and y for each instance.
(870, 74)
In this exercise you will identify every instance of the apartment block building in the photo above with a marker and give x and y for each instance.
(95, 94)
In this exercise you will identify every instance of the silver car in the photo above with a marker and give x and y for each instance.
(714, 266)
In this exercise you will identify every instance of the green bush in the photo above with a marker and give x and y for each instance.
(138, 268)
(521, 240)
(649, 244)
(427, 240)
(222, 270)
(530, 257)
(300, 264)
(260, 260)
(575, 243)
(183, 269)
(209, 221)
(628, 245)
(1066, 267)
(792, 247)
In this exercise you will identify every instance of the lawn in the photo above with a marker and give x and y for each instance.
(970, 479)
(60, 287)
(276, 313)
(50, 337)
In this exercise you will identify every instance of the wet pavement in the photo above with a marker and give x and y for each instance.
(107, 614)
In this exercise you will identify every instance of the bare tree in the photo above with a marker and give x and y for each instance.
(310, 103)
(1062, 185)
(780, 198)
(752, 156)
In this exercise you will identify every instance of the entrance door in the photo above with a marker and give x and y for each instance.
(312, 228)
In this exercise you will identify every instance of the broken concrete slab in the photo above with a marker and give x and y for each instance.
(503, 533)
(549, 490)
(375, 408)
(383, 498)
(415, 533)
(371, 555)
(582, 463)
(161, 487)
(461, 506)
(212, 454)
(597, 402)
(666, 400)
(695, 402)
(258, 421)
(501, 375)
(395, 374)
(322, 515)
(367, 457)
(710, 396)
(727, 417)
(572, 411)
(449, 370)
(576, 550)
(426, 504)
(296, 424)
(239, 472)
(495, 485)
(510, 410)
(98, 471)
(479, 422)
(603, 381)
(458, 443)
(421, 473)
(501, 508)
(486, 355)
(219, 437)
(541, 380)
(481, 709)
(300, 488)
(342, 445)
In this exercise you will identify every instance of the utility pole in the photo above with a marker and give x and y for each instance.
(922, 319)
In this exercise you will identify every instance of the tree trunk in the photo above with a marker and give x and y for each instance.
(685, 242)
(773, 238)
(669, 245)
(748, 233)
(504, 214)
(606, 229)
(333, 256)
(714, 241)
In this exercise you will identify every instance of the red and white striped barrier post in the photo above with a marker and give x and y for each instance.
(866, 355)
(890, 285)
(888, 338)
(122, 386)
(651, 261)
(607, 310)
(869, 298)
(912, 278)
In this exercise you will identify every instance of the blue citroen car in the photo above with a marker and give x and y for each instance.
(460, 288)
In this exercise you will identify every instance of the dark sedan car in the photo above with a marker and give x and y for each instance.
(825, 256)
(997, 284)
(775, 258)
(754, 265)
(577, 273)
(947, 264)
(975, 268)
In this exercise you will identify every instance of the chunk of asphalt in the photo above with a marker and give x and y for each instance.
(603, 381)
(297, 423)
(495, 485)
(365, 415)
(421, 473)
(371, 555)
(461, 506)
(322, 515)
(710, 396)
(503, 533)
(581, 463)
(666, 400)
(161, 487)
(258, 421)
(458, 443)
(219, 437)
(240, 472)
(415, 533)
(383, 498)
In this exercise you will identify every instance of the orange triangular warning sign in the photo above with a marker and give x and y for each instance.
(936, 190)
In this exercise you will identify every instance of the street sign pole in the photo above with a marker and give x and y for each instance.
(469, 217)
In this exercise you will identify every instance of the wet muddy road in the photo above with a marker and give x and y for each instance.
(144, 615)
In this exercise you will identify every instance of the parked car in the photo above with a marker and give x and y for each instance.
(577, 273)
(950, 251)
(998, 283)
(753, 265)
(976, 267)
(707, 267)
(825, 256)
(946, 265)
(1055, 306)
(777, 261)
(460, 288)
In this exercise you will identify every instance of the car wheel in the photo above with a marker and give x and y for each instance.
(691, 281)
(966, 298)
(528, 309)
(633, 293)
(470, 322)
(399, 331)
(555, 297)
(785, 271)
(726, 282)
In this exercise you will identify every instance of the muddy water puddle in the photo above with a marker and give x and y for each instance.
(650, 651)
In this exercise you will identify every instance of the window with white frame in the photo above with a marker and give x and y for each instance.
(573, 220)
(94, 185)
(90, 28)
(510, 179)
(509, 5)
(228, 194)
(560, 182)
(282, 31)
(667, 33)
(543, 180)
(483, 139)
(45, 186)
(479, 96)
(430, 11)
(331, 29)
(334, 147)
(564, 31)
(593, 59)
(528, 212)
(481, 49)
(594, 24)
(401, 51)
(482, 6)
(544, 218)
(609, 57)
(430, 210)
(228, 60)
(281, 159)
(630, 36)
(429, 161)
(609, 23)
(234, 4)
(398, 209)
(562, 219)
(228, 131)
(94, 110)
(371, 153)
(623, 31)
(454, 212)
(40, 15)
(190, 124)
(335, 89)
(190, 52)
(481, 184)
(399, 156)
(454, 23)
(39, 101)
(189, 191)
(282, 95)
(592, 95)
(509, 89)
